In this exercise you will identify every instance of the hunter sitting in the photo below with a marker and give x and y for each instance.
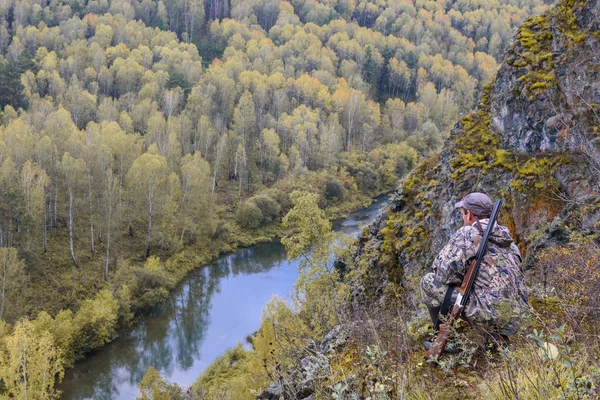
(498, 296)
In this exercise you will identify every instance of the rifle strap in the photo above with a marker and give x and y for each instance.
(445, 305)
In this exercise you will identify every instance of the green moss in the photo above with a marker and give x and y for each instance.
(406, 231)
(539, 85)
(567, 22)
(535, 175)
(536, 46)
(476, 146)
(520, 63)
(504, 159)
(535, 39)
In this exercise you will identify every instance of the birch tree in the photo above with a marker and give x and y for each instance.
(148, 182)
(11, 272)
(219, 151)
(34, 182)
(9, 199)
(73, 170)
(30, 363)
(195, 208)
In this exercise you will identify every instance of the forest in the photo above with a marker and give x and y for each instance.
(140, 139)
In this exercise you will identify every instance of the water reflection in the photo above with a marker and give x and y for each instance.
(214, 309)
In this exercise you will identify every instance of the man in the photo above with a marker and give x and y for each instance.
(498, 297)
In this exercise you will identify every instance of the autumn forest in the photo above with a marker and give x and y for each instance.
(141, 138)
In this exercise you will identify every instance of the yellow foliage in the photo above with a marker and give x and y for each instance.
(30, 363)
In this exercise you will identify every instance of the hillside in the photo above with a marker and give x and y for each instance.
(140, 139)
(532, 143)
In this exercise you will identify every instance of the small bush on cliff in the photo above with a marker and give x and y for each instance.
(567, 278)
(547, 366)
(226, 376)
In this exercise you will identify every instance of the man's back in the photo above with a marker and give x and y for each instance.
(499, 293)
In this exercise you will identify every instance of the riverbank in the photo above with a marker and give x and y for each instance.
(186, 261)
(213, 308)
(78, 309)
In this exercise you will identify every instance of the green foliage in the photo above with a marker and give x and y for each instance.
(308, 226)
(178, 79)
(12, 272)
(248, 215)
(566, 278)
(11, 88)
(147, 285)
(125, 309)
(334, 191)
(96, 322)
(383, 357)
(319, 296)
(153, 387)
(226, 376)
(548, 367)
(63, 330)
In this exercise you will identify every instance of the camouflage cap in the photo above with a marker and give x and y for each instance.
(478, 203)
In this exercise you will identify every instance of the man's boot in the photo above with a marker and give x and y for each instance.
(434, 313)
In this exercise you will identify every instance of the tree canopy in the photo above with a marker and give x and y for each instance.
(132, 129)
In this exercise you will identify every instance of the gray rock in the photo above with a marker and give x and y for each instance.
(273, 392)
(314, 367)
(336, 338)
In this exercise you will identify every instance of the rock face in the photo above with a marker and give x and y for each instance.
(300, 383)
(533, 142)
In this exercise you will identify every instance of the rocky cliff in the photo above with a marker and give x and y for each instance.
(533, 142)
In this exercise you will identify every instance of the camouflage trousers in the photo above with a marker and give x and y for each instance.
(434, 292)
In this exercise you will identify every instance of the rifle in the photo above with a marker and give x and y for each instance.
(464, 292)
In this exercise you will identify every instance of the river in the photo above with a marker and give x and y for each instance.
(213, 309)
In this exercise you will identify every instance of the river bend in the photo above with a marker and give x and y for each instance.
(213, 309)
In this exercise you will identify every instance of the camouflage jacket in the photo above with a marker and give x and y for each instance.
(499, 297)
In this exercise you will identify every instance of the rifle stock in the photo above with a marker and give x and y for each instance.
(439, 344)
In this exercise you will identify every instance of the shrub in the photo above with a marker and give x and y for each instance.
(570, 275)
(225, 376)
(154, 283)
(96, 321)
(546, 368)
(139, 288)
(269, 209)
(248, 215)
(153, 387)
(363, 171)
(63, 331)
(334, 191)
(281, 197)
